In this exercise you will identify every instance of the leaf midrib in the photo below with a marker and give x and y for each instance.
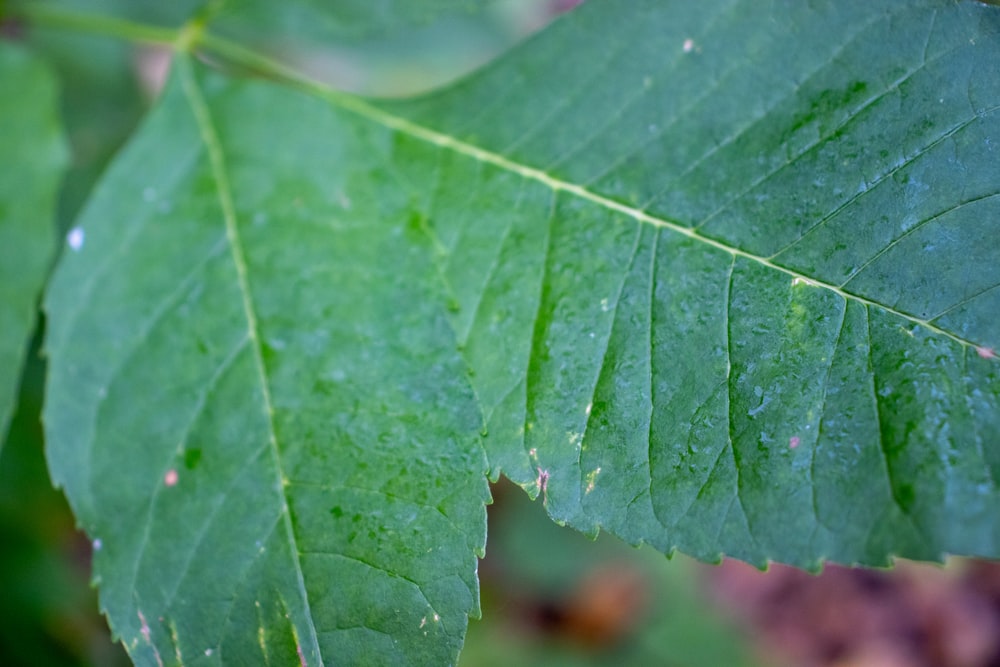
(359, 106)
(210, 138)
(195, 35)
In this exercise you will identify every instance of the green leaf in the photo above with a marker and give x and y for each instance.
(32, 159)
(250, 445)
(714, 276)
(759, 316)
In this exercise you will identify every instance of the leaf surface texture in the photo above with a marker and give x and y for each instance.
(719, 277)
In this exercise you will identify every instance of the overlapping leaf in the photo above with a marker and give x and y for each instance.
(32, 158)
(758, 318)
(718, 277)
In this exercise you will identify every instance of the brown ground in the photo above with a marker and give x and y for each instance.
(913, 616)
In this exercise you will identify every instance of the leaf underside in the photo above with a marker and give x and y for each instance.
(712, 276)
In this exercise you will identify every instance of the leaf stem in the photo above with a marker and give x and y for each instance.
(53, 17)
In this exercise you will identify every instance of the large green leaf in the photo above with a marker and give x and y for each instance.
(32, 158)
(760, 317)
(714, 276)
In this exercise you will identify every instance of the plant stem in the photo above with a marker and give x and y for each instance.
(95, 24)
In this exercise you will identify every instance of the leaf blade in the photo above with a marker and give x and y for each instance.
(34, 156)
(674, 384)
(724, 139)
(208, 532)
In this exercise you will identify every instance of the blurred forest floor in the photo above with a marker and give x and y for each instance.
(550, 597)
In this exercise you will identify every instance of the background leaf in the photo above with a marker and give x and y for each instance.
(32, 157)
(253, 19)
(702, 295)
(387, 47)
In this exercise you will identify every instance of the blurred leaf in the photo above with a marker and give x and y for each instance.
(100, 103)
(32, 159)
(386, 47)
(48, 611)
(254, 20)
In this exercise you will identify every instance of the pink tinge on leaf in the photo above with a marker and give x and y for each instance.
(170, 479)
(986, 352)
(793, 442)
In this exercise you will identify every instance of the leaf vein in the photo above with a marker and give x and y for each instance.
(199, 108)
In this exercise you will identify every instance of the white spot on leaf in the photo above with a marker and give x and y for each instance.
(75, 238)
(688, 45)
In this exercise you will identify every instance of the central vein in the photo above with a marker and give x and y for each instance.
(212, 144)
(194, 36)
